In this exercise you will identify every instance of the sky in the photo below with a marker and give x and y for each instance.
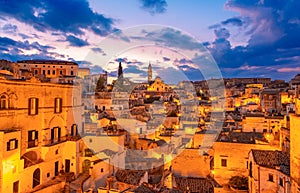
(188, 39)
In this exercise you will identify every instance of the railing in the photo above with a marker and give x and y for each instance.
(51, 142)
(32, 144)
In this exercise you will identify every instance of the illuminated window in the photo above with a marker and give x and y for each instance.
(33, 106)
(55, 134)
(57, 105)
(32, 138)
(74, 130)
(12, 144)
(88, 153)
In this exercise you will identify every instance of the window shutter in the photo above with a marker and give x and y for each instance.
(55, 105)
(36, 135)
(29, 106)
(16, 144)
(8, 146)
(60, 105)
(37, 106)
(59, 133)
(72, 130)
(29, 135)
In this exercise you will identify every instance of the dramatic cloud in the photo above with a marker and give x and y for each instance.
(74, 41)
(57, 15)
(272, 28)
(154, 6)
(172, 38)
(17, 50)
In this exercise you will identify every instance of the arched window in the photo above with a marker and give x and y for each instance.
(4, 102)
(36, 178)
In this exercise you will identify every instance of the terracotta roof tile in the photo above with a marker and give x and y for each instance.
(272, 159)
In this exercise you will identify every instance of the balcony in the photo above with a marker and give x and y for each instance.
(32, 144)
(56, 141)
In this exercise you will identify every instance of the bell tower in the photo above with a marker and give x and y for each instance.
(149, 73)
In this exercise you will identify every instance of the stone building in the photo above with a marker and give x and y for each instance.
(270, 100)
(40, 125)
(269, 172)
(49, 68)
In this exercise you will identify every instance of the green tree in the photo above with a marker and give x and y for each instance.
(239, 182)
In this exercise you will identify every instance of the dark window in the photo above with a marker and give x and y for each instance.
(281, 182)
(44, 72)
(16, 187)
(271, 178)
(48, 72)
(224, 162)
(36, 71)
(36, 178)
(57, 105)
(12, 144)
(250, 169)
(72, 73)
(102, 170)
(53, 72)
(33, 106)
(60, 72)
(3, 102)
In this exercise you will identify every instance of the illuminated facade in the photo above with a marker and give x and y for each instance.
(49, 68)
(40, 125)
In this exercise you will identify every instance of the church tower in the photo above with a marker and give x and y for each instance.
(149, 73)
(120, 70)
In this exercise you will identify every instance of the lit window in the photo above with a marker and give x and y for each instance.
(12, 144)
(33, 105)
(57, 105)
(224, 162)
(55, 134)
(32, 138)
(74, 130)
